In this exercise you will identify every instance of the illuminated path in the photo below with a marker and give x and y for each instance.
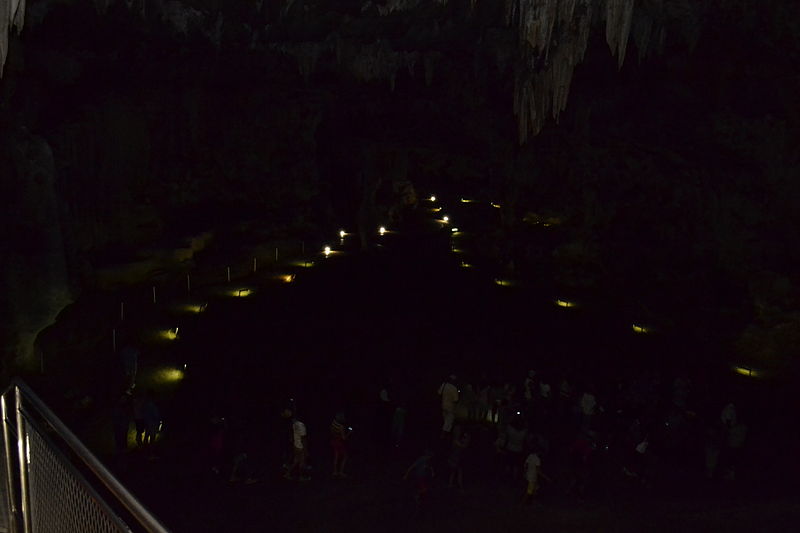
(413, 311)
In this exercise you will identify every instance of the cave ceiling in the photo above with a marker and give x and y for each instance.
(529, 90)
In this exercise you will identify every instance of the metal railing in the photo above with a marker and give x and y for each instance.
(52, 483)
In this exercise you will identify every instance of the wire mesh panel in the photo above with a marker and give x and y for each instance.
(60, 499)
(47, 483)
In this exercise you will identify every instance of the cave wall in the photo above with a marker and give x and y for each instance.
(35, 281)
(123, 138)
(164, 116)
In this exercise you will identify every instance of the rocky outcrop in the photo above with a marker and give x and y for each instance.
(35, 284)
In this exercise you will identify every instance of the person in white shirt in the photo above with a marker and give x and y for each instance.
(588, 403)
(449, 393)
(299, 447)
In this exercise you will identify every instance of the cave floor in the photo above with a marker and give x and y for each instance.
(410, 312)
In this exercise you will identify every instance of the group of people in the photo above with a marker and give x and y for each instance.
(556, 433)
(511, 437)
(579, 428)
(134, 406)
(139, 408)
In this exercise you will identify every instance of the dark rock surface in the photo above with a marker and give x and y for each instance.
(167, 119)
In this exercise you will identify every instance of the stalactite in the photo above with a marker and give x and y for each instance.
(411, 59)
(377, 61)
(286, 7)
(618, 26)
(642, 32)
(102, 6)
(307, 55)
(372, 62)
(429, 60)
(182, 17)
(215, 35)
(12, 15)
(342, 49)
(394, 6)
(536, 20)
(553, 36)
(566, 8)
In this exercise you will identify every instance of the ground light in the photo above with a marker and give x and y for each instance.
(382, 230)
(168, 334)
(286, 278)
(496, 206)
(466, 265)
(304, 263)
(641, 329)
(466, 201)
(436, 209)
(241, 292)
(565, 303)
(167, 375)
(454, 230)
(193, 308)
(747, 371)
(503, 282)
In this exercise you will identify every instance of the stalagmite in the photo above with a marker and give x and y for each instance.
(12, 15)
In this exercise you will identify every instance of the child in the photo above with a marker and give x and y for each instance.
(532, 466)
(421, 472)
(339, 434)
(460, 443)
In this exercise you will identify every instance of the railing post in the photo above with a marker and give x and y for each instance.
(13, 516)
(22, 442)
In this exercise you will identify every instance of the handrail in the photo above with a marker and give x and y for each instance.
(23, 472)
(128, 500)
(11, 499)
